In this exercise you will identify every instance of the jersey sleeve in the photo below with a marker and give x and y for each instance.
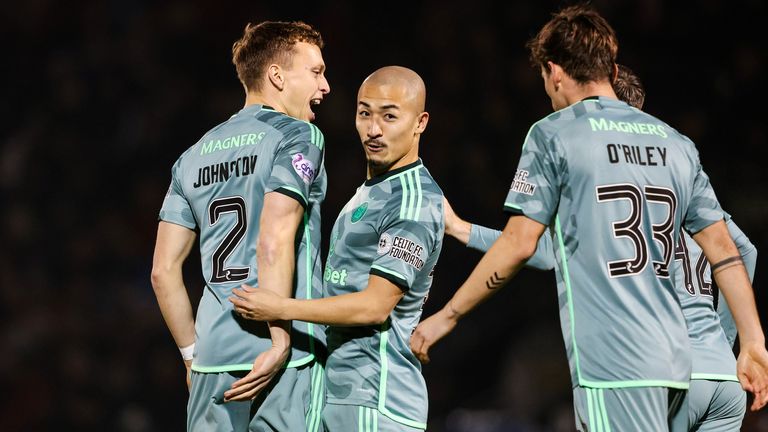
(544, 257)
(404, 246)
(176, 208)
(481, 238)
(748, 253)
(703, 209)
(535, 189)
(298, 161)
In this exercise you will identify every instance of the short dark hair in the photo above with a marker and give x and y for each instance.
(628, 87)
(267, 43)
(579, 40)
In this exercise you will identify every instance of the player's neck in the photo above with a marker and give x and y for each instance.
(579, 92)
(253, 98)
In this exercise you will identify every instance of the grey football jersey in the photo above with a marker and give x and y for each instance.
(393, 228)
(218, 188)
(616, 184)
(712, 357)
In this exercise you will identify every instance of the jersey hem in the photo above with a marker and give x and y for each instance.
(248, 366)
(681, 385)
(714, 377)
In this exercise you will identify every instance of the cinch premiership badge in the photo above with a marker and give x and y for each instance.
(359, 212)
(303, 167)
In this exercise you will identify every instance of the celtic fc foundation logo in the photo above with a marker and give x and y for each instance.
(359, 212)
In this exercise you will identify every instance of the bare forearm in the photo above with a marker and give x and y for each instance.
(276, 266)
(458, 229)
(354, 309)
(502, 261)
(734, 284)
(732, 279)
(175, 307)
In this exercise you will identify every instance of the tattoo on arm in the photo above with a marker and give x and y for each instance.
(495, 281)
(726, 263)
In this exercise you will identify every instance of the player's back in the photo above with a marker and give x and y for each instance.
(224, 178)
(625, 182)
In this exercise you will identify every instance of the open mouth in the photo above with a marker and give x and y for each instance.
(314, 102)
(374, 146)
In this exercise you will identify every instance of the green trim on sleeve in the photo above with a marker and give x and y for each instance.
(293, 193)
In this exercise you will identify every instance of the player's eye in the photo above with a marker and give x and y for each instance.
(363, 113)
(389, 116)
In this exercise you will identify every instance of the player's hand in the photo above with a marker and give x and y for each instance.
(265, 367)
(257, 304)
(188, 365)
(752, 370)
(431, 330)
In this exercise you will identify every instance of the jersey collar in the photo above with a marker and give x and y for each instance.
(380, 178)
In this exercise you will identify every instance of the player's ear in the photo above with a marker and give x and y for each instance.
(556, 74)
(275, 75)
(421, 122)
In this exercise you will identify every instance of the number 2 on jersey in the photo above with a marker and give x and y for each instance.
(218, 207)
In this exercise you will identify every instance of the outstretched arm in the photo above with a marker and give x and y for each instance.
(481, 238)
(504, 259)
(172, 247)
(732, 279)
(370, 306)
(275, 255)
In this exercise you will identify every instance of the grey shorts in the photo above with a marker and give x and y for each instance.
(292, 402)
(716, 406)
(356, 418)
(655, 409)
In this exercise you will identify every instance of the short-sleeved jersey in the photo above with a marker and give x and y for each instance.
(616, 184)
(481, 238)
(218, 187)
(711, 348)
(393, 228)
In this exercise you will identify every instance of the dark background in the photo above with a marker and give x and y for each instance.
(100, 98)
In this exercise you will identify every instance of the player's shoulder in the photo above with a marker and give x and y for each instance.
(291, 128)
(414, 194)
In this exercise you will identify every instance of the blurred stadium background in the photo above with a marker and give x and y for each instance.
(100, 98)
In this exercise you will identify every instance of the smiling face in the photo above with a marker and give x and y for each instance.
(304, 82)
(390, 120)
